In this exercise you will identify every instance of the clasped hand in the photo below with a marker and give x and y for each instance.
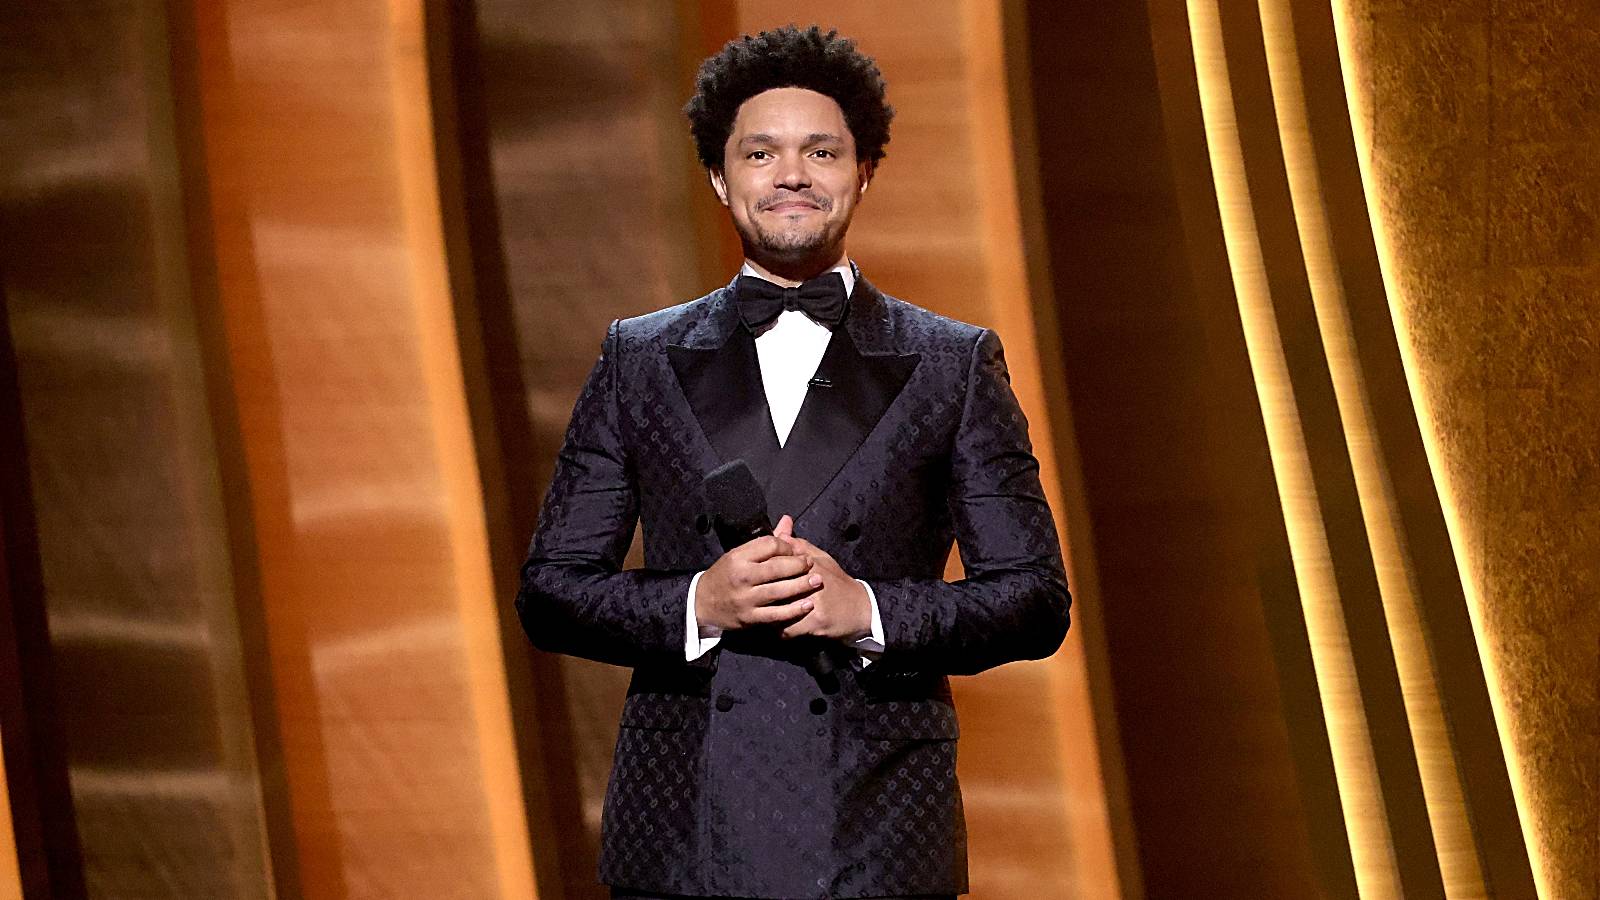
(786, 583)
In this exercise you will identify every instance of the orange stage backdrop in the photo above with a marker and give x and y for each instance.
(1300, 300)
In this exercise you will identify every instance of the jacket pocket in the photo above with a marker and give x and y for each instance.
(663, 712)
(910, 720)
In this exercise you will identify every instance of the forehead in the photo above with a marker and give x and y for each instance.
(789, 112)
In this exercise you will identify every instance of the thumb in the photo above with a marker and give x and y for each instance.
(785, 527)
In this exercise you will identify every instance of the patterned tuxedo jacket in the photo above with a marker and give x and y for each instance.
(743, 774)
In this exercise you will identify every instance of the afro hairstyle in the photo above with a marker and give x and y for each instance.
(789, 57)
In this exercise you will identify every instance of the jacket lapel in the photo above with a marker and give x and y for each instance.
(720, 376)
(858, 378)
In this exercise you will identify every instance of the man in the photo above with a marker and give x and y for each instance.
(880, 431)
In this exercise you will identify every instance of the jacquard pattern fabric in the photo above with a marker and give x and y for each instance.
(739, 775)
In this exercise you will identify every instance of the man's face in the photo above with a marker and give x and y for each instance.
(790, 178)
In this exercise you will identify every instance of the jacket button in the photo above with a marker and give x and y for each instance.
(852, 531)
(724, 703)
(702, 523)
(819, 706)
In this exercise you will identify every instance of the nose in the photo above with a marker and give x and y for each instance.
(790, 172)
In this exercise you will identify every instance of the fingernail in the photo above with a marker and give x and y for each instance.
(815, 581)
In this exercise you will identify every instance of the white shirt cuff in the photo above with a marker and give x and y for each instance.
(870, 646)
(698, 641)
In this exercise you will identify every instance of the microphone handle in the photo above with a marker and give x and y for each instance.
(821, 665)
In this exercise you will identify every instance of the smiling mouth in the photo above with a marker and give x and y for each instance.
(792, 206)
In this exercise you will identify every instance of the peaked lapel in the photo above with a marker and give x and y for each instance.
(720, 375)
(858, 378)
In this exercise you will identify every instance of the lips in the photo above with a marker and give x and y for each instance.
(797, 202)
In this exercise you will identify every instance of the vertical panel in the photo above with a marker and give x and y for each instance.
(146, 685)
(1477, 134)
(1464, 774)
(1224, 744)
(379, 607)
(1022, 309)
(1356, 669)
(39, 806)
(1108, 860)
(10, 872)
(556, 230)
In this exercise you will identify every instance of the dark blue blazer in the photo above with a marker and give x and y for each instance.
(743, 774)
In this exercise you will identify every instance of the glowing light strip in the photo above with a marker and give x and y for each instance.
(476, 618)
(10, 868)
(1447, 811)
(1355, 768)
(1428, 426)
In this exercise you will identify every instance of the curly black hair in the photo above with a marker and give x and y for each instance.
(789, 57)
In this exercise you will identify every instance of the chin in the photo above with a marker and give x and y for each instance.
(788, 245)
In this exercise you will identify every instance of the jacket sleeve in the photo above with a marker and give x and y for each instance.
(574, 597)
(1013, 602)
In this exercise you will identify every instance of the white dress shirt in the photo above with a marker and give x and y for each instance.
(788, 351)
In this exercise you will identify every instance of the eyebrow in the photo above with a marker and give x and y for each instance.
(816, 137)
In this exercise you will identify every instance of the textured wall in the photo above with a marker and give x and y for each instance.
(559, 234)
(144, 650)
(339, 359)
(1483, 124)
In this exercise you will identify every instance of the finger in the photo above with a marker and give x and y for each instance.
(779, 614)
(785, 526)
(807, 627)
(801, 545)
(779, 591)
(776, 569)
(764, 548)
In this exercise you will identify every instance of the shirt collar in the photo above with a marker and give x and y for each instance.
(845, 269)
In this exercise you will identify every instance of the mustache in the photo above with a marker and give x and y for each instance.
(819, 201)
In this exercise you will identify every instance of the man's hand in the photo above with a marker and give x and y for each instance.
(762, 582)
(841, 608)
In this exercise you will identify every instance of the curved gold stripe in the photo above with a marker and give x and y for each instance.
(1447, 811)
(441, 367)
(1355, 766)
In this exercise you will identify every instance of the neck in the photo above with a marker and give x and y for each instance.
(789, 273)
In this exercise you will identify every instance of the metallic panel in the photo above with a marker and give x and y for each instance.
(10, 870)
(1358, 680)
(575, 201)
(1477, 129)
(1470, 804)
(1224, 743)
(147, 674)
(378, 605)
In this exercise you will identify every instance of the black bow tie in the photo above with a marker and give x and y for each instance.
(760, 301)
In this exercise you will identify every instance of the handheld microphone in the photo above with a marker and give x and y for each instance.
(738, 509)
(738, 506)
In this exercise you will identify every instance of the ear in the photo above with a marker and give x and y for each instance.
(718, 184)
(864, 172)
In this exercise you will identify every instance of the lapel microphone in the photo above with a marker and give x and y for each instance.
(738, 508)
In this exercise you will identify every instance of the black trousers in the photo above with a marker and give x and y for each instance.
(619, 894)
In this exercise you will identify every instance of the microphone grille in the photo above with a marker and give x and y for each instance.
(732, 490)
